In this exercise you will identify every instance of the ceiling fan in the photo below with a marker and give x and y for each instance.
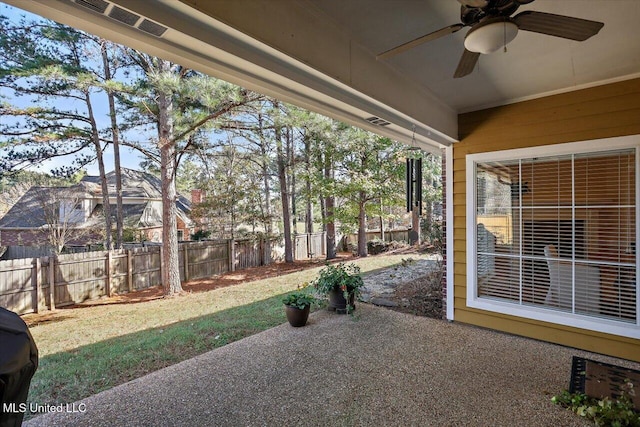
(492, 28)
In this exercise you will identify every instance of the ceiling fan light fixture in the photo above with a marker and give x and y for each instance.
(491, 35)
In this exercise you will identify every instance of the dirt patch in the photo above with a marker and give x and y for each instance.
(47, 317)
(252, 274)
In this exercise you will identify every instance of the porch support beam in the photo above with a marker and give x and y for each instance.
(309, 62)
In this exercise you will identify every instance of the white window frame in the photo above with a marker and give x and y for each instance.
(608, 326)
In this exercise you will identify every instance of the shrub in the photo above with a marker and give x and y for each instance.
(344, 277)
(618, 412)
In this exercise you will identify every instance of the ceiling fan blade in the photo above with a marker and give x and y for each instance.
(422, 39)
(467, 63)
(557, 25)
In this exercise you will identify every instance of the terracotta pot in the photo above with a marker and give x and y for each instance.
(297, 317)
(338, 303)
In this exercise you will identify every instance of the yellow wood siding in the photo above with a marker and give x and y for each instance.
(601, 112)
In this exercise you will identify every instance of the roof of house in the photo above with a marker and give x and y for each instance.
(28, 212)
(134, 184)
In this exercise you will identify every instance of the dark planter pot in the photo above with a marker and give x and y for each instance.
(338, 303)
(297, 317)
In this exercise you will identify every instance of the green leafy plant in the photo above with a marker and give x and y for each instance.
(618, 412)
(345, 277)
(340, 277)
(299, 299)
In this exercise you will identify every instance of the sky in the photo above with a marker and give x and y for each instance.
(128, 158)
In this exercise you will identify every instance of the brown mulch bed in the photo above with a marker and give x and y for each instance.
(421, 297)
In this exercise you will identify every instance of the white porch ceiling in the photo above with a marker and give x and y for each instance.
(320, 54)
(534, 64)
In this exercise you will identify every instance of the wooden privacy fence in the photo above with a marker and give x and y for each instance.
(18, 252)
(25, 284)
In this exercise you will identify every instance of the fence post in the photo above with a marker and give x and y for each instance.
(36, 284)
(107, 279)
(185, 261)
(266, 251)
(52, 282)
(232, 255)
(324, 243)
(261, 256)
(130, 270)
(161, 277)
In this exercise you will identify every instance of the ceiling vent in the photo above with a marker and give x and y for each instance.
(152, 28)
(378, 121)
(96, 5)
(123, 16)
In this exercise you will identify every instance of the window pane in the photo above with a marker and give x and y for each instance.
(493, 189)
(547, 181)
(542, 227)
(611, 234)
(618, 299)
(535, 281)
(500, 277)
(605, 179)
(559, 232)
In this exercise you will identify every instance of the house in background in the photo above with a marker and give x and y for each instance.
(142, 204)
(541, 139)
(79, 209)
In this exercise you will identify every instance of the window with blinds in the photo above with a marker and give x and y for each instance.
(559, 233)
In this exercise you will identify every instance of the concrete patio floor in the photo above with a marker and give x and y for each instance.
(379, 367)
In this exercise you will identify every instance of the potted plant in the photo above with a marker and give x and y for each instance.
(297, 306)
(341, 283)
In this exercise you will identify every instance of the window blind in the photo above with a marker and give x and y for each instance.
(558, 232)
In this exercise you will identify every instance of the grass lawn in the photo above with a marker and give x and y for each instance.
(86, 350)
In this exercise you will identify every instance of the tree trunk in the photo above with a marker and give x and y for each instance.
(232, 192)
(362, 226)
(292, 180)
(116, 148)
(267, 201)
(105, 198)
(171, 268)
(323, 213)
(308, 226)
(267, 206)
(284, 197)
(265, 179)
(329, 209)
(329, 203)
(309, 213)
(95, 137)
